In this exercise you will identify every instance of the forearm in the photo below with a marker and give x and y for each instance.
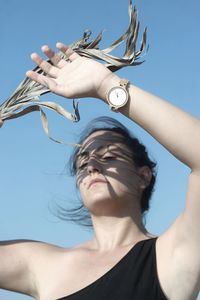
(176, 130)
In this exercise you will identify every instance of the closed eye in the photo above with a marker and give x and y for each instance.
(109, 157)
(83, 166)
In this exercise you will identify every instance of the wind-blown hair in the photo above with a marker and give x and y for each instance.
(140, 158)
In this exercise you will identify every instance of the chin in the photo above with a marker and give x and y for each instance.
(97, 200)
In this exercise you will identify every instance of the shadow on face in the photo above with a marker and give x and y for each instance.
(105, 154)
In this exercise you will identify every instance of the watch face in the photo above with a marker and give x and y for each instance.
(118, 96)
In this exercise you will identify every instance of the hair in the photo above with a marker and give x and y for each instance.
(80, 214)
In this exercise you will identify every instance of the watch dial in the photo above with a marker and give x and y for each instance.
(118, 96)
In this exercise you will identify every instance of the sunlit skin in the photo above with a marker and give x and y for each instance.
(110, 183)
(113, 199)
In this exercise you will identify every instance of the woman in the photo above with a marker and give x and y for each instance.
(122, 261)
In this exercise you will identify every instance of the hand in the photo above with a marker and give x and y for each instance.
(77, 78)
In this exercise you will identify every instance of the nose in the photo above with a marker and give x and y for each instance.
(93, 166)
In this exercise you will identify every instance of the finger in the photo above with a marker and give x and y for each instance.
(44, 65)
(43, 80)
(54, 58)
(70, 54)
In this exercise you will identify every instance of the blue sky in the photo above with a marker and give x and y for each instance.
(33, 168)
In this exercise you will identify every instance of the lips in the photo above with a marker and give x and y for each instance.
(96, 180)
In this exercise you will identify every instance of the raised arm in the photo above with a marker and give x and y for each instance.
(177, 131)
(82, 77)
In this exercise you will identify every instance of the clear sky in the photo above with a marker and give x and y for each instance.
(33, 168)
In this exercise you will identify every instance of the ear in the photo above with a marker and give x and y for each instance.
(145, 175)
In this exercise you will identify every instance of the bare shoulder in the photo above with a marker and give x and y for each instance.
(45, 249)
(58, 269)
(30, 246)
(21, 263)
(41, 251)
(44, 256)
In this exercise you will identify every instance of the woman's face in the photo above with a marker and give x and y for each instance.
(106, 174)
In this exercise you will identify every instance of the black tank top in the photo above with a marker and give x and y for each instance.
(134, 277)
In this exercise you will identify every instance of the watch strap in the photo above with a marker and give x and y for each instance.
(124, 83)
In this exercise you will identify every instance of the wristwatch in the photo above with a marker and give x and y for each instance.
(118, 95)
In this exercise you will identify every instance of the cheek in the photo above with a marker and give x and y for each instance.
(81, 178)
(126, 172)
(81, 190)
(125, 178)
(82, 187)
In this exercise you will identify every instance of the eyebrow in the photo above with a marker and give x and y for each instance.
(106, 147)
(85, 152)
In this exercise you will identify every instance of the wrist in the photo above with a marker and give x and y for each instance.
(115, 92)
(106, 85)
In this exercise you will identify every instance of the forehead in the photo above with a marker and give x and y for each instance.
(100, 139)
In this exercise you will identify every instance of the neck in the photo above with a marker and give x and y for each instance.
(113, 232)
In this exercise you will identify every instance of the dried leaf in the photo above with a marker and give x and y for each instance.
(26, 97)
